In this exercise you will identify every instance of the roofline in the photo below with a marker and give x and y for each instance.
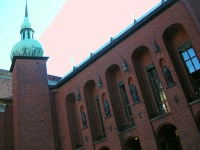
(117, 41)
(25, 57)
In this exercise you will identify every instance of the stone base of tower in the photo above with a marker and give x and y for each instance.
(32, 115)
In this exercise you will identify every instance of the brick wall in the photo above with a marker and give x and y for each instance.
(47, 122)
(33, 126)
(5, 84)
(129, 49)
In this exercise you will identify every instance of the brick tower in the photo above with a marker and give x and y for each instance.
(33, 129)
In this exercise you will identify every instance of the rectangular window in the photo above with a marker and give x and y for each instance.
(161, 100)
(126, 103)
(192, 64)
(103, 135)
(191, 60)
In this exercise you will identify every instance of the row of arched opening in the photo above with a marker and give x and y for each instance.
(167, 139)
(149, 76)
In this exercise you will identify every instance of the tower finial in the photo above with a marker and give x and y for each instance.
(26, 10)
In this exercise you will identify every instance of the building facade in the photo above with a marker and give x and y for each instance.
(141, 91)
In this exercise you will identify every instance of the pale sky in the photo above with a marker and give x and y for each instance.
(69, 30)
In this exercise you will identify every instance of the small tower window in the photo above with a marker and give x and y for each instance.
(23, 35)
(28, 35)
(37, 65)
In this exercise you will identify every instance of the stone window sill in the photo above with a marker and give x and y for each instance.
(160, 116)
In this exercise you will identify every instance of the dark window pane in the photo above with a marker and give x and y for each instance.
(126, 99)
(126, 105)
(129, 111)
(185, 55)
(158, 91)
(190, 66)
(28, 35)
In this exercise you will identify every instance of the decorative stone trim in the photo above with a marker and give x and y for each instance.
(184, 47)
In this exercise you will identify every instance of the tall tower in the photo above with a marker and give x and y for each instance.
(33, 127)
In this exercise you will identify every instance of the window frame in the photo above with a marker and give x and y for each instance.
(159, 94)
(126, 106)
(185, 48)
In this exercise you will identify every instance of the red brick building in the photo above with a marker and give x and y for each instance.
(140, 91)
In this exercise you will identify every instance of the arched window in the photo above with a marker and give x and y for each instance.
(133, 143)
(84, 119)
(150, 85)
(198, 121)
(104, 148)
(191, 62)
(119, 99)
(168, 138)
(106, 108)
(94, 111)
(134, 93)
(167, 73)
(73, 121)
(185, 60)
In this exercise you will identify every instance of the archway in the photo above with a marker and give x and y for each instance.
(168, 138)
(104, 148)
(198, 121)
(74, 131)
(133, 143)
(119, 99)
(94, 111)
(182, 54)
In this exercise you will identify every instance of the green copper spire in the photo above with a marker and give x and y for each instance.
(27, 46)
(26, 10)
(26, 23)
